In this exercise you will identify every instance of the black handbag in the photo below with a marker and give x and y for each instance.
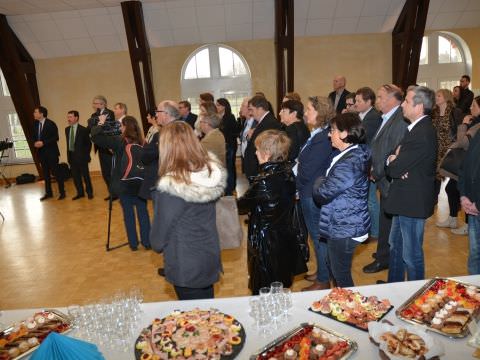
(453, 160)
(301, 232)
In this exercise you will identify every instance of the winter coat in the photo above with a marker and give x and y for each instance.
(342, 195)
(272, 249)
(184, 227)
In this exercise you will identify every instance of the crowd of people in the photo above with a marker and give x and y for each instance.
(357, 167)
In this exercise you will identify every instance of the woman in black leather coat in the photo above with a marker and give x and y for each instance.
(273, 252)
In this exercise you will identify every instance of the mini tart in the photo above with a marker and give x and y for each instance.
(316, 306)
(228, 319)
(146, 357)
(235, 340)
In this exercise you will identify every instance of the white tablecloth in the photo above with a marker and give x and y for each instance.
(238, 307)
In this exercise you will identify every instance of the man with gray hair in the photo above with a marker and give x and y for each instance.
(411, 197)
(338, 96)
(99, 104)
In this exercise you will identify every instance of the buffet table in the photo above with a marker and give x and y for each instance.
(239, 307)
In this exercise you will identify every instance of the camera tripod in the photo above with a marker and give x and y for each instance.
(110, 201)
(7, 182)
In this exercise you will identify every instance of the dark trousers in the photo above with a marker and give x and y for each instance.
(383, 246)
(340, 255)
(79, 172)
(105, 157)
(49, 163)
(230, 158)
(453, 196)
(185, 293)
(129, 204)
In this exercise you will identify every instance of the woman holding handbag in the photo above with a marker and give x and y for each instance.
(465, 131)
(272, 249)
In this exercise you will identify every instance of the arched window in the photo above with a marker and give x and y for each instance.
(11, 129)
(444, 58)
(217, 69)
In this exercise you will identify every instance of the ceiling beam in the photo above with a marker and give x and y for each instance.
(284, 47)
(407, 38)
(139, 57)
(18, 68)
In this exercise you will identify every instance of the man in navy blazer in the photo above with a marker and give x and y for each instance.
(385, 141)
(411, 198)
(185, 110)
(264, 120)
(46, 137)
(79, 146)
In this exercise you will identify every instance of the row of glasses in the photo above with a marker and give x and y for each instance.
(270, 310)
(111, 323)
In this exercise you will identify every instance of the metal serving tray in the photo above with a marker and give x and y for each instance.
(65, 319)
(352, 344)
(424, 289)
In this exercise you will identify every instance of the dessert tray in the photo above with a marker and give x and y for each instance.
(445, 306)
(197, 334)
(22, 339)
(351, 308)
(308, 341)
(404, 342)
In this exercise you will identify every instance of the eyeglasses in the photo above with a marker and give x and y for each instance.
(160, 111)
(349, 104)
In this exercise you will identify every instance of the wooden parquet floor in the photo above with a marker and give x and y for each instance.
(53, 253)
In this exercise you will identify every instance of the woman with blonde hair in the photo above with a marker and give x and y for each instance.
(184, 223)
(272, 250)
(313, 161)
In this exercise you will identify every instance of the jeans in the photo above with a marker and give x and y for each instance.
(474, 244)
(129, 203)
(406, 249)
(311, 215)
(185, 293)
(373, 209)
(230, 157)
(340, 255)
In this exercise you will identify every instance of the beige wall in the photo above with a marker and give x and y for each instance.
(71, 82)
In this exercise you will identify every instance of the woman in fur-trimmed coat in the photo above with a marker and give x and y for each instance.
(184, 224)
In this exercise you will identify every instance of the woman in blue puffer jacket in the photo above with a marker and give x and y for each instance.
(343, 196)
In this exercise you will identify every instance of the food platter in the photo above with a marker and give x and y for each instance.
(202, 334)
(351, 308)
(310, 340)
(443, 305)
(404, 342)
(20, 340)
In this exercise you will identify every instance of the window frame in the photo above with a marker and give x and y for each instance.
(6, 109)
(218, 85)
(434, 72)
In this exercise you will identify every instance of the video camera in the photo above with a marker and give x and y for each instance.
(110, 127)
(5, 144)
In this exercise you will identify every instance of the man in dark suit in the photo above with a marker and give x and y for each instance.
(371, 121)
(339, 93)
(411, 198)
(99, 104)
(390, 133)
(264, 120)
(185, 108)
(78, 154)
(46, 136)
(466, 95)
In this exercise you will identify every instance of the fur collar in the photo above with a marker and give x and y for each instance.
(203, 188)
